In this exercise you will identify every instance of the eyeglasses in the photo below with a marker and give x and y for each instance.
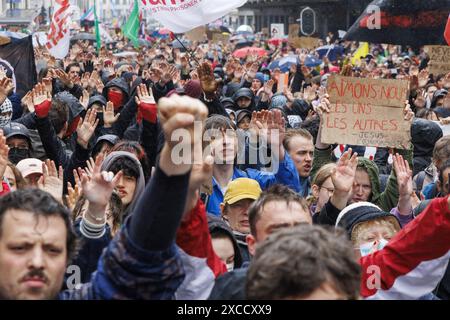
(330, 190)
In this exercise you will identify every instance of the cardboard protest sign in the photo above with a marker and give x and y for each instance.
(265, 31)
(294, 30)
(366, 112)
(283, 82)
(304, 42)
(219, 37)
(439, 59)
(197, 34)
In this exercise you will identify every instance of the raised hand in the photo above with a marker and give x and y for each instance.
(155, 75)
(6, 87)
(146, 103)
(73, 194)
(48, 83)
(84, 99)
(109, 118)
(251, 73)
(99, 188)
(65, 78)
(310, 94)
(85, 80)
(404, 175)
(42, 100)
(86, 128)
(179, 113)
(169, 74)
(408, 113)
(343, 175)
(268, 87)
(238, 72)
(423, 77)
(28, 101)
(90, 164)
(288, 93)
(207, 80)
(52, 180)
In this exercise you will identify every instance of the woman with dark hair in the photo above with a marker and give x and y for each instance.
(135, 148)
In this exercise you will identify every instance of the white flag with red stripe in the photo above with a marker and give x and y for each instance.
(183, 15)
(58, 40)
(201, 264)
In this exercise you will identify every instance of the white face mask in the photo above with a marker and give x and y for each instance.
(230, 266)
(371, 247)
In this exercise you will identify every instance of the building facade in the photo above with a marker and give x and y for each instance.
(331, 15)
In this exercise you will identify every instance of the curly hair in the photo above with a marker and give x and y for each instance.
(295, 262)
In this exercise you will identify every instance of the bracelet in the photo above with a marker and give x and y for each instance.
(101, 220)
(206, 99)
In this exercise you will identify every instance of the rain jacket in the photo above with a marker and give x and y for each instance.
(287, 174)
(385, 200)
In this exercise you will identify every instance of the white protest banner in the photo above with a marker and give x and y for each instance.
(183, 15)
(59, 35)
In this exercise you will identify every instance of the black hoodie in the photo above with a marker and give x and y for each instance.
(217, 225)
(424, 135)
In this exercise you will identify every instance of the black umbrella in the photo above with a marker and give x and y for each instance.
(224, 29)
(414, 22)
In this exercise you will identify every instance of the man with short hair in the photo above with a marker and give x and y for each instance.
(221, 139)
(278, 207)
(304, 263)
(299, 144)
(141, 262)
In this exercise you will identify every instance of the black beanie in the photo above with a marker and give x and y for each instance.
(360, 212)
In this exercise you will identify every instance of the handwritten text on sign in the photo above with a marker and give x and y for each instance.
(366, 112)
(439, 59)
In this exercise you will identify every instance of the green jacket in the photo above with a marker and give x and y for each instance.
(385, 200)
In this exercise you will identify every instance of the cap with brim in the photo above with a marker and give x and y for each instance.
(360, 212)
(29, 166)
(242, 188)
(16, 129)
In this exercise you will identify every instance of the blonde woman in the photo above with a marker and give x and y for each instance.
(322, 188)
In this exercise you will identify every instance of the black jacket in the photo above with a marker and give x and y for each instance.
(424, 135)
(231, 285)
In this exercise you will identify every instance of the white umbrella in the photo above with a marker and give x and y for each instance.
(244, 28)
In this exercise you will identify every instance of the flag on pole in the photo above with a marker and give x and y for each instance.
(447, 31)
(58, 40)
(131, 28)
(97, 29)
(183, 15)
(362, 51)
(89, 15)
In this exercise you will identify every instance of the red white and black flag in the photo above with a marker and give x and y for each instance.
(414, 22)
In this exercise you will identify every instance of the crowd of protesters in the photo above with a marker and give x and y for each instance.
(90, 184)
